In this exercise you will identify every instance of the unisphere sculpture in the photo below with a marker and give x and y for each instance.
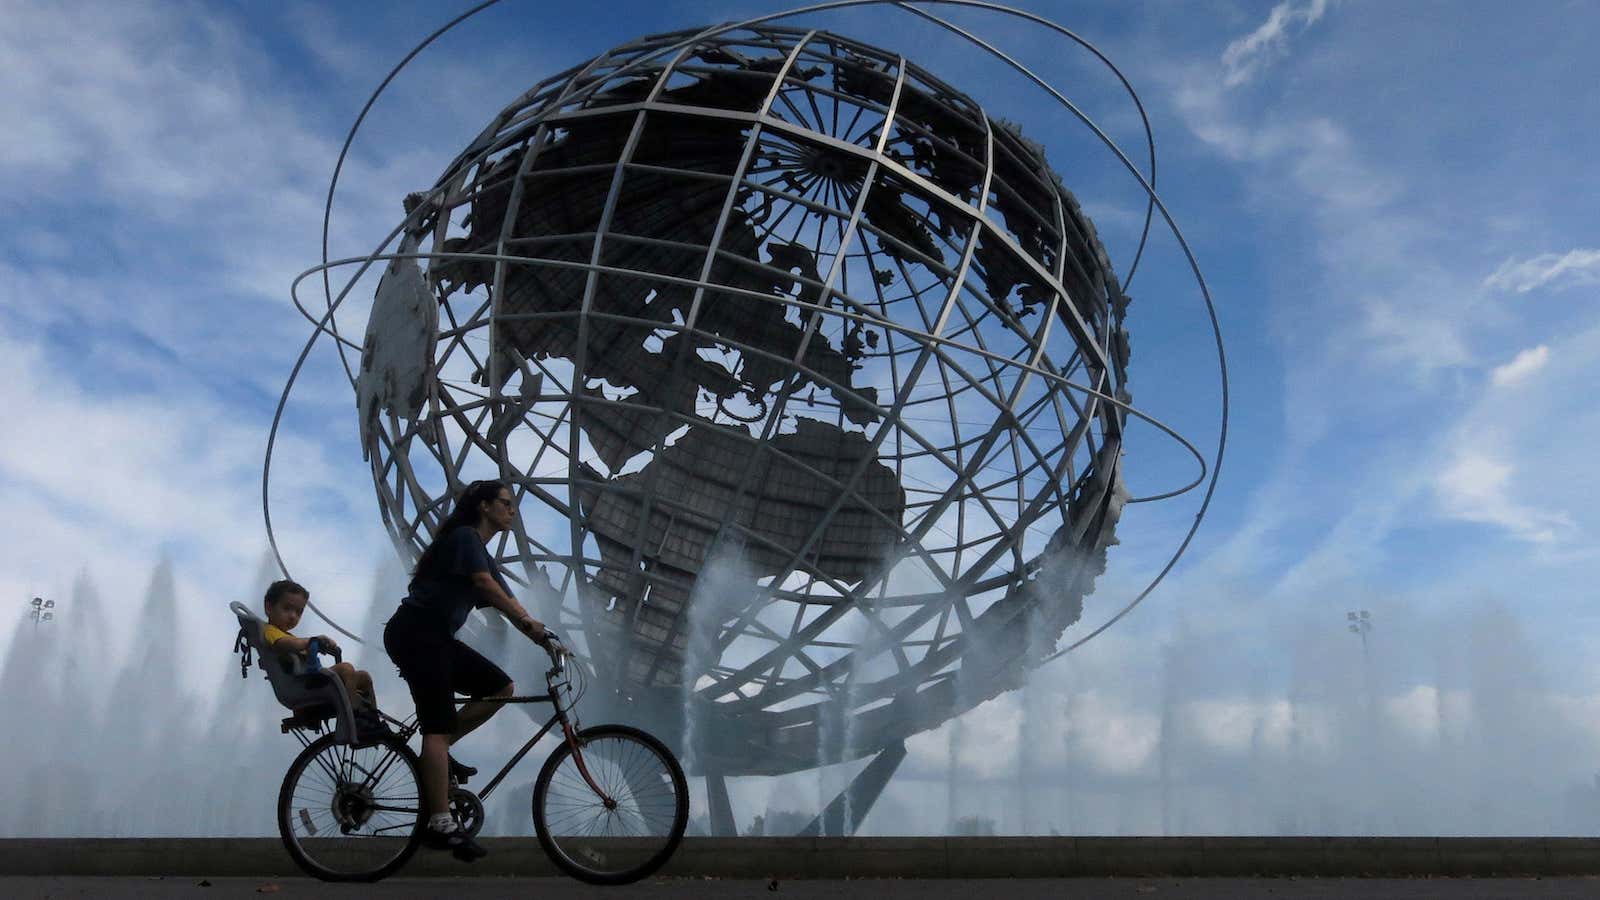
(785, 305)
(808, 375)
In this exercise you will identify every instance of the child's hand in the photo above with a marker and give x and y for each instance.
(329, 645)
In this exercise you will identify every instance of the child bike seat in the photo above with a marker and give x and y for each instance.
(313, 697)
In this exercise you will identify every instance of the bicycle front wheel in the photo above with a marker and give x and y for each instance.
(631, 826)
(349, 814)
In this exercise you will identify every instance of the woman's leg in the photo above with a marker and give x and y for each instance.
(477, 677)
(436, 773)
(478, 712)
(423, 658)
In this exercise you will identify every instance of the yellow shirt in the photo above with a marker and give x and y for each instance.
(273, 633)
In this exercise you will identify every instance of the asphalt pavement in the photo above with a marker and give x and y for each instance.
(126, 888)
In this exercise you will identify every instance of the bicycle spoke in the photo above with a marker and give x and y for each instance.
(395, 809)
(349, 812)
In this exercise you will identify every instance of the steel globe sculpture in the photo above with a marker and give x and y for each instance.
(808, 375)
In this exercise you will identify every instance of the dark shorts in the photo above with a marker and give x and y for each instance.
(436, 667)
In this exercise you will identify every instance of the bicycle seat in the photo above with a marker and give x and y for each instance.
(313, 697)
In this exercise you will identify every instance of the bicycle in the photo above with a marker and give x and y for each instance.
(610, 804)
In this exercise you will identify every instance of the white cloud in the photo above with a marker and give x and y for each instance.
(1520, 458)
(1456, 694)
(1244, 58)
(151, 106)
(169, 174)
(1412, 335)
(175, 468)
(1232, 725)
(1560, 270)
(109, 485)
(1121, 741)
(175, 146)
(1477, 487)
(1525, 364)
(1414, 713)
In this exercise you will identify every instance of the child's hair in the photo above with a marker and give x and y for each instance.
(283, 588)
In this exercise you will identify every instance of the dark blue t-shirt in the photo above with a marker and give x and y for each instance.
(445, 588)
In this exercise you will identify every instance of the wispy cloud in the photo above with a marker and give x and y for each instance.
(1520, 458)
(1479, 487)
(1525, 364)
(1558, 270)
(1382, 303)
(112, 482)
(168, 184)
(1383, 320)
(1244, 58)
(151, 109)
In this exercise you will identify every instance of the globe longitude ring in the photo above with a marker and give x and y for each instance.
(808, 375)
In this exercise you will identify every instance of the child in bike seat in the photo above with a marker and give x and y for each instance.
(285, 602)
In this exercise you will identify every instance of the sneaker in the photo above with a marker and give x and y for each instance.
(461, 771)
(370, 727)
(458, 842)
(369, 734)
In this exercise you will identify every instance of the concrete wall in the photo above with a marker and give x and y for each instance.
(955, 857)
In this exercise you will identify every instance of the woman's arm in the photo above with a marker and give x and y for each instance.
(491, 592)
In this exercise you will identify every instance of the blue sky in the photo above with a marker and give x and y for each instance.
(1393, 204)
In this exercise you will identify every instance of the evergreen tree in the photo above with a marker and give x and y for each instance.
(78, 739)
(154, 717)
(28, 682)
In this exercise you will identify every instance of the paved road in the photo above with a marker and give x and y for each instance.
(29, 888)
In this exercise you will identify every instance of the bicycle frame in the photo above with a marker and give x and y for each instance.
(360, 773)
(569, 734)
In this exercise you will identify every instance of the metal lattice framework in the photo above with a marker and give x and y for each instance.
(809, 377)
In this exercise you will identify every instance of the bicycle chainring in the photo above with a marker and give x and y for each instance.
(467, 810)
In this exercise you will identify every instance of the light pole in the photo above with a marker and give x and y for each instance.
(43, 611)
(1361, 623)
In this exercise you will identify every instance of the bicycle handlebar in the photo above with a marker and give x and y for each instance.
(557, 650)
(313, 648)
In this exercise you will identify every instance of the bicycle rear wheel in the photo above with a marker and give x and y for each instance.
(628, 838)
(349, 814)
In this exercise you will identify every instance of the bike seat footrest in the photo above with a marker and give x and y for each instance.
(309, 717)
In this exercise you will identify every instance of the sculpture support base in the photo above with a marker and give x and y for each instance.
(856, 800)
(721, 810)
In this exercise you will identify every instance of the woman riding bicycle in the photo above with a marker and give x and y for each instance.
(454, 575)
